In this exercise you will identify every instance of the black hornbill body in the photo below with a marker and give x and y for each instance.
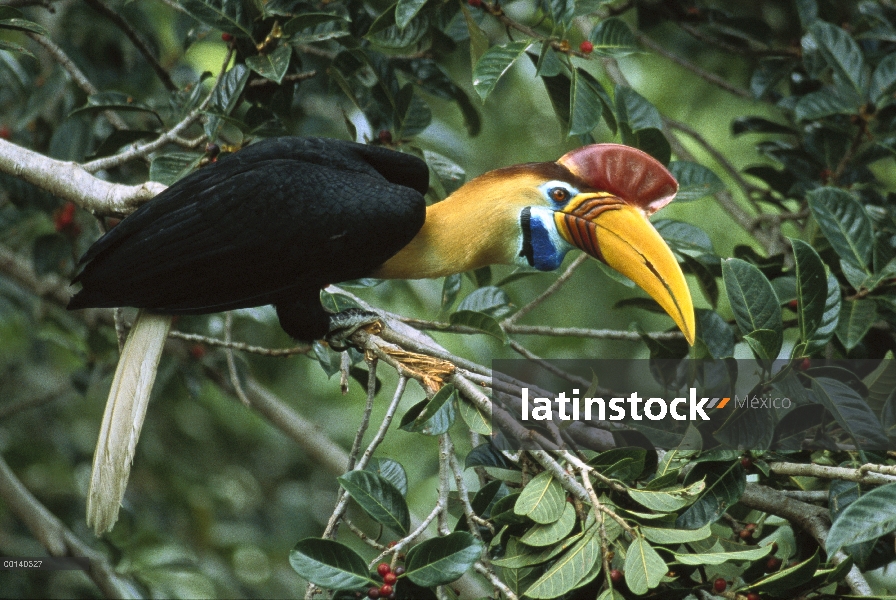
(282, 218)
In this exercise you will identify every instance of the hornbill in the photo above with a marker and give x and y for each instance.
(282, 218)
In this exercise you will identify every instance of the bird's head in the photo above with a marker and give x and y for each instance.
(597, 198)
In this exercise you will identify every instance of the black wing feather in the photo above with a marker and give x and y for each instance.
(270, 224)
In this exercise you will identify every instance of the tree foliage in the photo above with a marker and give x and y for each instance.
(777, 119)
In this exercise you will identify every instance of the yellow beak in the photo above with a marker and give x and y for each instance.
(620, 235)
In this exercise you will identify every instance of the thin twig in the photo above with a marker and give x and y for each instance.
(231, 363)
(551, 289)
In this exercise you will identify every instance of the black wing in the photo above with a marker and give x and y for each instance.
(270, 224)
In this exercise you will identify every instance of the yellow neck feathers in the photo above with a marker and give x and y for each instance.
(477, 225)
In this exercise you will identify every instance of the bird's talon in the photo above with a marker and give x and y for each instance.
(343, 325)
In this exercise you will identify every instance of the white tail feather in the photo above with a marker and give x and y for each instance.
(123, 419)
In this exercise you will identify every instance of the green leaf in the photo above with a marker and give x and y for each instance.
(490, 300)
(480, 322)
(725, 484)
(644, 568)
(662, 535)
(569, 569)
(585, 106)
(450, 174)
(754, 303)
(493, 64)
(758, 125)
(229, 88)
(478, 39)
(225, 15)
(871, 516)
(485, 455)
(442, 560)
(881, 381)
(856, 319)
(717, 558)
(652, 141)
(625, 464)
(114, 101)
(16, 23)
(668, 500)
(542, 500)
(830, 318)
(329, 564)
(551, 533)
(826, 102)
(520, 555)
(635, 110)
(694, 181)
(435, 416)
(851, 412)
(841, 52)
(811, 289)
(391, 471)
(845, 224)
(168, 168)
(11, 47)
(477, 420)
(271, 66)
(379, 499)
(309, 21)
(406, 10)
(784, 581)
(450, 290)
(612, 37)
(883, 80)
(715, 333)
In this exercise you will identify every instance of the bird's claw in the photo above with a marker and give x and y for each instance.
(344, 324)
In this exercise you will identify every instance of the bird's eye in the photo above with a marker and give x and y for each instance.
(559, 195)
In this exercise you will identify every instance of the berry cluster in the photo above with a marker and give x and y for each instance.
(64, 220)
(390, 577)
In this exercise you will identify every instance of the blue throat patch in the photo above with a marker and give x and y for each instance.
(546, 256)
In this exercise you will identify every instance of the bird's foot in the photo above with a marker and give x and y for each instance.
(343, 326)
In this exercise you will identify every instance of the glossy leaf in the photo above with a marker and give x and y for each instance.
(717, 558)
(811, 287)
(569, 568)
(114, 101)
(644, 568)
(490, 300)
(826, 102)
(551, 533)
(271, 66)
(379, 499)
(881, 381)
(478, 39)
(168, 168)
(725, 484)
(715, 332)
(329, 564)
(856, 319)
(477, 420)
(883, 80)
(229, 88)
(391, 471)
(438, 561)
(585, 106)
(830, 318)
(8, 20)
(662, 535)
(845, 224)
(308, 20)
(225, 15)
(405, 10)
(694, 181)
(493, 64)
(486, 455)
(542, 500)
(668, 500)
(758, 125)
(871, 516)
(754, 303)
(841, 53)
(785, 580)
(450, 290)
(612, 37)
(851, 412)
(434, 416)
(480, 322)
(635, 110)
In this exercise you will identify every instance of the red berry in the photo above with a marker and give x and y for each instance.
(390, 578)
(805, 364)
(753, 596)
(746, 534)
(399, 571)
(383, 568)
(197, 351)
(616, 575)
(5, 133)
(385, 136)
(746, 462)
(773, 564)
(475, 3)
(64, 218)
(586, 47)
(227, 37)
(719, 585)
(393, 543)
(793, 304)
(385, 589)
(373, 592)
